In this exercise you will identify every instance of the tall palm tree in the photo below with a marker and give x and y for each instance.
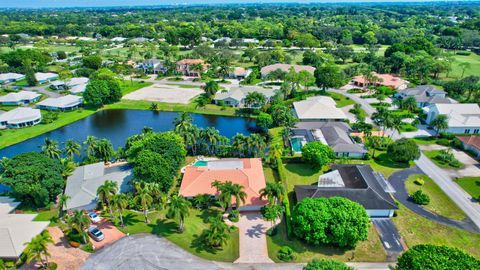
(68, 167)
(218, 232)
(374, 142)
(50, 148)
(90, 142)
(106, 192)
(179, 208)
(143, 198)
(275, 152)
(72, 148)
(79, 221)
(62, 203)
(120, 203)
(183, 121)
(395, 124)
(224, 195)
(439, 123)
(273, 191)
(258, 144)
(238, 193)
(211, 87)
(104, 150)
(37, 249)
(154, 107)
(210, 136)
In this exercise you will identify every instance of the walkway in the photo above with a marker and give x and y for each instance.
(149, 252)
(397, 180)
(253, 240)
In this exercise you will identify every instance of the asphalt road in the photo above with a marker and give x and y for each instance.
(455, 192)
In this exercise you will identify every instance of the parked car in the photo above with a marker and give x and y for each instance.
(96, 234)
(94, 217)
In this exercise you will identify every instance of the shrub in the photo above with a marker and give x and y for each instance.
(464, 53)
(326, 264)
(317, 154)
(357, 139)
(52, 266)
(419, 197)
(285, 254)
(456, 143)
(445, 135)
(403, 150)
(88, 248)
(428, 256)
(234, 216)
(444, 142)
(419, 181)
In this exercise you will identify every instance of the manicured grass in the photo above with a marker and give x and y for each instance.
(270, 174)
(341, 100)
(130, 86)
(190, 239)
(301, 174)
(370, 250)
(432, 154)
(22, 82)
(13, 136)
(473, 59)
(382, 163)
(188, 86)
(470, 185)
(440, 203)
(425, 140)
(418, 230)
(405, 127)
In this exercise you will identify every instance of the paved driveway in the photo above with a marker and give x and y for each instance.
(253, 241)
(165, 93)
(112, 234)
(389, 236)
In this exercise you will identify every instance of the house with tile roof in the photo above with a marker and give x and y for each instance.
(356, 182)
(471, 143)
(16, 229)
(248, 172)
(463, 118)
(186, 67)
(318, 109)
(387, 80)
(285, 68)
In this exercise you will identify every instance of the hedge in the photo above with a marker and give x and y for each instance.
(286, 201)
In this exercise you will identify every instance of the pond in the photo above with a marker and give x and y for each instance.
(118, 125)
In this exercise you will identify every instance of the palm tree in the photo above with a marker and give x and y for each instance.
(238, 192)
(38, 247)
(105, 193)
(224, 193)
(120, 203)
(255, 99)
(198, 68)
(210, 136)
(68, 167)
(154, 107)
(395, 123)
(62, 203)
(218, 232)
(50, 148)
(91, 143)
(179, 208)
(72, 148)
(272, 213)
(439, 123)
(258, 144)
(104, 150)
(374, 143)
(273, 191)
(79, 221)
(143, 198)
(183, 124)
(211, 87)
(275, 152)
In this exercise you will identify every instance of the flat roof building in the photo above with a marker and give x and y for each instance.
(20, 98)
(20, 117)
(11, 77)
(45, 77)
(63, 103)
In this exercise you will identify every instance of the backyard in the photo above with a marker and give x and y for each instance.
(440, 203)
(190, 240)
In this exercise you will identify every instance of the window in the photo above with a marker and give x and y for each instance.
(467, 131)
(475, 131)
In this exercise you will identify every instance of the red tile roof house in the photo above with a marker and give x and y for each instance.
(388, 80)
(471, 143)
(247, 172)
(184, 66)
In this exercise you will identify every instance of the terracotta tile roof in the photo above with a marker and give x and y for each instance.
(387, 80)
(246, 172)
(471, 140)
(190, 61)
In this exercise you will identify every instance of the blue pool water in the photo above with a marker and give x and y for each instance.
(296, 144)
(201, 163)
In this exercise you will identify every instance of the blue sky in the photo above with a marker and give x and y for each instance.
(99, 3)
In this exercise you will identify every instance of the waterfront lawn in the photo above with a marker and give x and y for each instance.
(370, 250)
(432, 155)
(190, 239)
(440, 203)
(130, 86)
(418, 230)
(470, 185)
(13, 136)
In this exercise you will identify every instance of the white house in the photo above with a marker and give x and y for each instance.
(462, 117)
(19, 98)
(63, 103)
(20, 117)
(77, 85)
(318, 109)
(235, 97)
(45, 77)
(10, 77)
(425, 95)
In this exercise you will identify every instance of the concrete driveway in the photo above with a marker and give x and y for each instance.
(165, 93)
(253, 240)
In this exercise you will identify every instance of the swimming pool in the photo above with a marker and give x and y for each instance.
(297, 144)
(200, 163)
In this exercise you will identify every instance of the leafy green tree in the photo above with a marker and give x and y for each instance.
(326, 264)
(264, 120)
(403, 150)
(179, 208)
(426, 256)
(317, 154)
(102, 92)
(330, 221)
(282, 116)
(37, 249)
(31, 183)
(439, 123)
(329, 76)
(92, 61)
(105, 193)
(79, 222)
(30, 76)
(151, 167)
(344, 53)
(419, 197)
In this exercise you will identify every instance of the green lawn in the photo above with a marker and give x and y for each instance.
(432, 154)
(418, 230)
(370, 250)
(130, 86)
(406, 127)
(381, 163)
(473, 59)
(183, 85)
(341, 100)
(470, 185)
(440, 203)
(425, 140)
(270, 174)
(190, 239)
(301, 174)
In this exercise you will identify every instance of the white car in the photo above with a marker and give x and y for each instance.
(94, 217)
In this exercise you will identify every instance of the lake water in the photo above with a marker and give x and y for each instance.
(118, 125)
